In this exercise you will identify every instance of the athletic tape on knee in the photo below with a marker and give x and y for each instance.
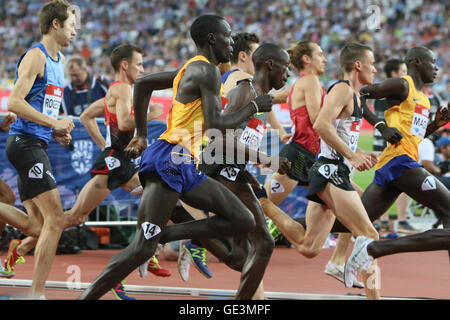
(429, 184)
(150, 230)
(276, 187)
(137, 191)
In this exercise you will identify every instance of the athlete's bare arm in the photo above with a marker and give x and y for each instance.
(281, 96)
(31, 67)
(88, 116)
(339, 104)
(392, 89)
(395, 90)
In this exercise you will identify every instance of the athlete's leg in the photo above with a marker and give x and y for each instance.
(7, 195)
(431, 240)
(340, 252)
(49, 205)
(132, 184)
(348, 208)
(423, 187)
(29, 224)
(231, 217)
(156, 205)
(262, 243)
(278, 187)
(91, 196)
(319, 220)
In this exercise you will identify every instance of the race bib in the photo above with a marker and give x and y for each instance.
(327, 170)
(276, 187)
(229, 173)
(253, 133)
(420, 121)
(52, 101)
(112, 163)
(150, 230)
(354, 135)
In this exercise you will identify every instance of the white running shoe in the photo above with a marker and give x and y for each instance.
(143, 269)
(337, 272)
(359, 259)
(184, 261)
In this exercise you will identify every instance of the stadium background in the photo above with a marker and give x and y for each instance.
(162, 29)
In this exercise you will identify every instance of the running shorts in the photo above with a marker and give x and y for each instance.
(173, 163)
(116, 165)
(324, 171)
(29, 156)
(394, 169)
(301, 161)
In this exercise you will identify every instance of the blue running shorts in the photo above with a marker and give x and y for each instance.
(174, 164)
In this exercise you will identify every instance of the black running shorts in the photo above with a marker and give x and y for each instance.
(113, 163)
(324, 171)
(29, 156)
(301, 161)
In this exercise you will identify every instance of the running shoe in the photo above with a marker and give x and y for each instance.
(155, 268)
(120, 293)
(274, 231)
(405, 227)
(5, 273)
(337, 272)
(12, 258)
(359, 259)
(198, 256)
(184, 261)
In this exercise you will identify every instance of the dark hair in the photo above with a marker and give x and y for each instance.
(242, 42)
(420, 53)
(297, 52)
(203, 25)
(265, 52)
(123, 52)
(351, 53)
(56, 9)
(392, 65)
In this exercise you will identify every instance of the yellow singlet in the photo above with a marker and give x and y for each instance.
(185, 124)
(411, 119)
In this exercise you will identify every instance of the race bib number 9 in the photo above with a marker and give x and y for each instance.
(253, 133)
(420, 121)
(52, 101)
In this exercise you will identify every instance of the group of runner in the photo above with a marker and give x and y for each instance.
(200, 160)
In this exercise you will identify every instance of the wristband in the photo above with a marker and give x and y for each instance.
(376, 124)
(256, 105)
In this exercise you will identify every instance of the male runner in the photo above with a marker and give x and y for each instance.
(394, 68)
(241, 67)
(305, 100)
(111, 169)
(168, 167)
(271, 63)
(35, 99)
(397, 170)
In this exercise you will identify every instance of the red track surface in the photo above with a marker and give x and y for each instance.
(425, 275)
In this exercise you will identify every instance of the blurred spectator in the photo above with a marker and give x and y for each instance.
(83, 88)
(161, 27)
